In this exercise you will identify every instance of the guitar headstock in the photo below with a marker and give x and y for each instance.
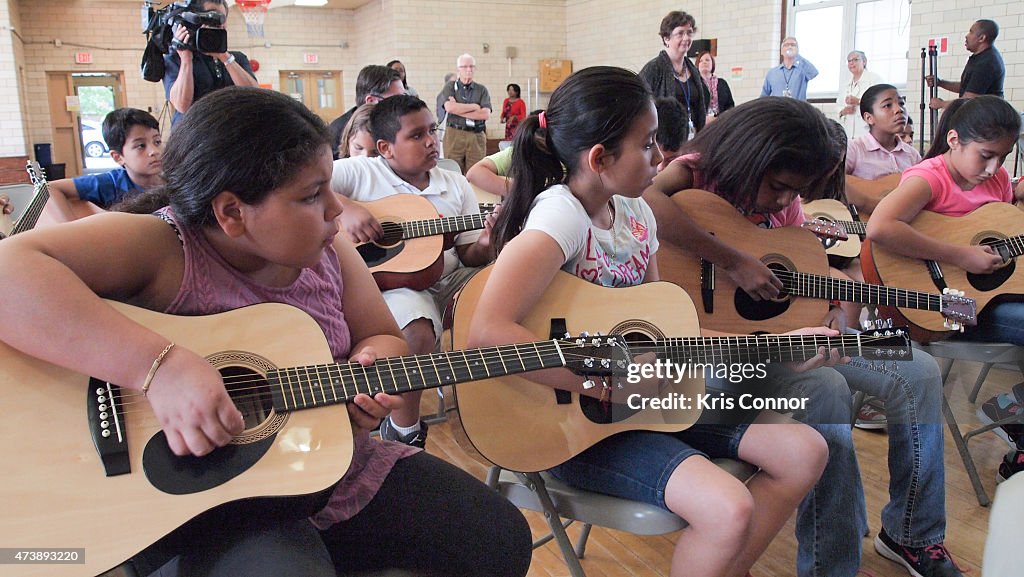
(598, 356)
(35, 173)
(826, 230)
(958, 309)
(885, 342)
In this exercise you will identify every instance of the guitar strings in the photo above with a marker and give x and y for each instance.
(820, 281)
(727, 347)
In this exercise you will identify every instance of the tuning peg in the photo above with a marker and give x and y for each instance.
(584, 334)
(589, 384)
(868, 324)
(567, 335)
(589, 363)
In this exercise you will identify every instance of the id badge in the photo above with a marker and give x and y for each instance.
(470, 123)
(787, 93)
(689, 126)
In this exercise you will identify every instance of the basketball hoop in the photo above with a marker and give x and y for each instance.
(254, 12)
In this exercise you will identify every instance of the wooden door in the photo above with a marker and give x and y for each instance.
(319, 90)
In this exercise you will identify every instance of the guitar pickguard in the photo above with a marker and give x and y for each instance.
(244, 379)
(375, 255)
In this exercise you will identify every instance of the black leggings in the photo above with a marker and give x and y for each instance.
(429, 517)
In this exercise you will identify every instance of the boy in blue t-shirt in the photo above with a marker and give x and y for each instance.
(133, 137)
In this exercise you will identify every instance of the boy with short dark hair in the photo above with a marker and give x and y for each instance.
(405, 134)
(135, 143)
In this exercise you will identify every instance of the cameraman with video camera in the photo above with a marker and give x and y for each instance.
(190, 72)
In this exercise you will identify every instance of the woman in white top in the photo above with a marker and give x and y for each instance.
(861, 80)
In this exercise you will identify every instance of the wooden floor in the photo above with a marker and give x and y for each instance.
(616, 554)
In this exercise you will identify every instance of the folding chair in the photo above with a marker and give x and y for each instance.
(988, 354)
(545, 494)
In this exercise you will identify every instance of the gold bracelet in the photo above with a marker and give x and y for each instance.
(152, 370)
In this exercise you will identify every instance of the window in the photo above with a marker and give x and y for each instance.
(829, 29)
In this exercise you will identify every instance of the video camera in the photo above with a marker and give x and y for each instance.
(159, 25)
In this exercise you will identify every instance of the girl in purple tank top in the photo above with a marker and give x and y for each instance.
(251, 219)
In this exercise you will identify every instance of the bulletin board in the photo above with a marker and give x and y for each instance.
(553, 72)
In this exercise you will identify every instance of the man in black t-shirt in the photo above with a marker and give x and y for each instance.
(984, 71)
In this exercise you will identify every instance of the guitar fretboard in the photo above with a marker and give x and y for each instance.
(1011, 247)
(34, 210)
(328, 384)
(830, 288)
(755, 349)
(444, 225)
(854, 227)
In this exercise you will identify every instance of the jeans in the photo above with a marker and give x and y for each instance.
(832, 519)
(999, 323)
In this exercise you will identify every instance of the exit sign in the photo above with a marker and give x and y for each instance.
(310, 58)
(942, 44)
(83, 58)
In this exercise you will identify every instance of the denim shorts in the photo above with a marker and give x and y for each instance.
(636, 465)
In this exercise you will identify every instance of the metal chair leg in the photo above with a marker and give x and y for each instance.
(536, 484)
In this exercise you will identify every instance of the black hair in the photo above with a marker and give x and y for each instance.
(982, 119)
(834, 186)
(215, 127)
(871, 95)
(198, 4)
(673, 20)
(118, 123)
(596, 105)
(393, 62)
(374, 80)
(939, 146)
(765, 135)
(514, 86)
(989, 28)
(405, 83)
(672, 124)
(386, 117)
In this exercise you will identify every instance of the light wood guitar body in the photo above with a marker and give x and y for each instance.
(86, 464)
(831, 210)
(411, 252)
(797, 258)
(524, 426)
(997, 224)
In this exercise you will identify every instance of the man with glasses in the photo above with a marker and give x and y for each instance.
(373, 84)
(790, 78)
(468, 106)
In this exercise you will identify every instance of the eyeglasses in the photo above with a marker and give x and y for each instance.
(849, 60)
(467, 66)
(684, 33)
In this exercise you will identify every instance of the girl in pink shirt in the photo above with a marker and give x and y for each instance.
(967, 173)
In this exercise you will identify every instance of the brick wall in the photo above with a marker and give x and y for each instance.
(428, 36)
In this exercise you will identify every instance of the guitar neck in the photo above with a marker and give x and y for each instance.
(444, 225)
(320, 385)
(854, 227)
(1011, 247)
(775, 348)
(31, 215)
(829, 288)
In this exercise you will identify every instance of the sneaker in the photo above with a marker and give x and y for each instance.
(930, 561)
(1013, 462)
(871, 415)
(1005, 406)
(414, 439)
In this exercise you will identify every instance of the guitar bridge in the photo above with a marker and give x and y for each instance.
(107, 426)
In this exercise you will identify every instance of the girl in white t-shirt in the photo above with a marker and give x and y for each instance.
(588, 219)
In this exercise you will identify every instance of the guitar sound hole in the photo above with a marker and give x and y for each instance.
(248, 389)
(752, 310)
(392, 234)
(250, 393)
(995, 279)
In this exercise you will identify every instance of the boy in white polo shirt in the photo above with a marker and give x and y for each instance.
(405, 133)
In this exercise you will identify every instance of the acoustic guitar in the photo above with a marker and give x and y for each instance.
(797, 259)
(524, 426)
(859, 190)
(997, 224)
(86, 464)
(835, 212)
(410, 254)
(40, 194)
